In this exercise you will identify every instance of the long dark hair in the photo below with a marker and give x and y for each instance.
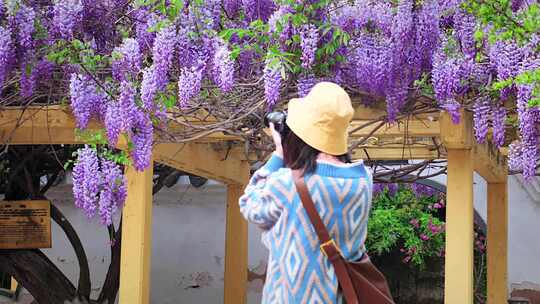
(299, 155)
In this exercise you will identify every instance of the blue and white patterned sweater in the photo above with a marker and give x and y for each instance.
(297, 270)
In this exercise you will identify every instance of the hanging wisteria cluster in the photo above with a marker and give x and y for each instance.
(99, 186)
(129, 64)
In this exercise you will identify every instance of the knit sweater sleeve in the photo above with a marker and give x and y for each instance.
(259, 204)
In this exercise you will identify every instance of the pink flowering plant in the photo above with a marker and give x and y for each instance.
(409, 218)
(402, 219)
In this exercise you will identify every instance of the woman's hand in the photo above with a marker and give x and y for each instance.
(277, 140)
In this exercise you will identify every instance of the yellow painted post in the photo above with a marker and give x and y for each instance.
(236, 250)
(14, 284)
(136, 238)
(497, 246)
(458, 281)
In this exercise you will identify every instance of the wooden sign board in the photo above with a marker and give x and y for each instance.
(25, 224)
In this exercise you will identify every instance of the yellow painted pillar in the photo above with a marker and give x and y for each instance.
(136, 238)
(14, 284)
(458, 281)
(497, 243)
(236, 250)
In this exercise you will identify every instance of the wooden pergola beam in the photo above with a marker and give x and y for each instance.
(490, 163)
(411, 127)
(37, 125)
(203, 160)
(397, 153)
(55, 124)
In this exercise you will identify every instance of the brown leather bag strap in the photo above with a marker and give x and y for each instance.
(328, 245)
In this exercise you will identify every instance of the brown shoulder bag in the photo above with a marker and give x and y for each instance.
(361, 281)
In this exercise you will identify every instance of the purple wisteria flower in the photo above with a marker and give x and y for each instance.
(377, 188)
(86, 100)
(465, 25)
(33, 72)
(481, 115)
(128, 60)
(142, 136)
(207, 15)
(498, 119)
(304, 84)
(145, 21)
(380, 187)
(6, 53)
(258, 9)
(452, 107)
(528, 121)
(369, 63)
(28, 80)
(98, 185)
(232, 7)
(515, 154)
(163, 49)
(445, 76)
(422, 190)
(309, 37)
(25, 19)
(516, 5)
(278, 18)
(67, 15)
(223, 67)
(113, 122)
(272, 84)
(113, 191)
(392, 189)
(153, 81)
(189, 84)
(86, 181)
(2, 10)
(427, 34)
(506, 58)
(402, 38)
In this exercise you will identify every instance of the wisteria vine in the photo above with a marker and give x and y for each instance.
(134, 64)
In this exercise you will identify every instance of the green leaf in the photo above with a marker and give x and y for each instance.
(77, 44)
(534, 102)
(235, 52)
(501, 84)
(479, 35)
(226, 34)
(298, 19)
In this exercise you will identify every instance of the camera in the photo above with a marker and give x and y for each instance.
(278, 119)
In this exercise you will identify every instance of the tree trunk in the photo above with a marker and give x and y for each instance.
(41, 277)
(33, 270)
(112, 280)
(84, 285)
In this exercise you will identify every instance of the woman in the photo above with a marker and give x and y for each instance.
(298, 272)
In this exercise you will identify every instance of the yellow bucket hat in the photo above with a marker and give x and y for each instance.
(321, 119)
